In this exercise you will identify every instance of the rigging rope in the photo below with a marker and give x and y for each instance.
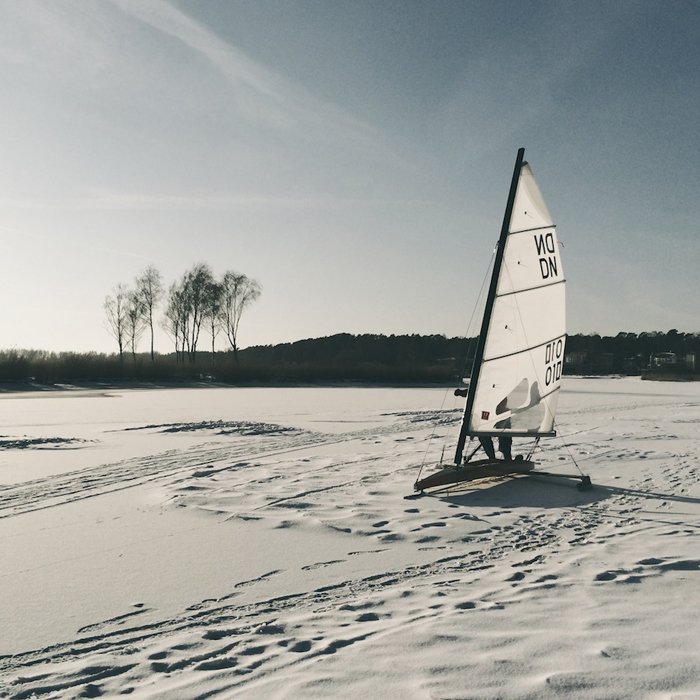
(568, 451)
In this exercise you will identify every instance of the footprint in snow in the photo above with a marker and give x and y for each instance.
(321, 564)
(619, 576)
(253, 651)
(517, 576)
(367, 617)
(217, 664)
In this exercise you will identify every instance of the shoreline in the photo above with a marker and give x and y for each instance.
(65, 387)
(9, 388)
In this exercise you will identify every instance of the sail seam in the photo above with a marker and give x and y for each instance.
(529, 230)
(530, 289)
(527, 349)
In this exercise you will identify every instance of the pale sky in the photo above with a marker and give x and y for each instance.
(354, 157)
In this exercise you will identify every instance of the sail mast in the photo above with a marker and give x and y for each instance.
(476, 367)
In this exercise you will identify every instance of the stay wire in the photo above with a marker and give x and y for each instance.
(568, 451)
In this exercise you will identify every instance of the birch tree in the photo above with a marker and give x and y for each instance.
(212, 312)
(115, 306)
(239, 291)
(135, 322)
(197, 284)
(149, 289)
(187, 308)
(175, 319)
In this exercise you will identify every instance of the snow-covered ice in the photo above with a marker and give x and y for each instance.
(187, 543)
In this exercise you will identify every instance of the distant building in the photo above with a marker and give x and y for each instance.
(690, 361)
(574, 361)
(662, 359)
(670, 363)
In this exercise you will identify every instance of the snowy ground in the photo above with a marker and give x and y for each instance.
(256, 542)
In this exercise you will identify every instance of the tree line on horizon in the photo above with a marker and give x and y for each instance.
(368, 358)
(198, 299)
(624, 353)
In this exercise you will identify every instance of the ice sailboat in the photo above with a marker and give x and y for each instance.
(516, 375)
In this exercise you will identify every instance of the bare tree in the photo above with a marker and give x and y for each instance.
(212, 312)
(197, 284)
(115, 306)
(149, 289)
(239, 291)
(135, 320)
(187, 308)
(175, 319)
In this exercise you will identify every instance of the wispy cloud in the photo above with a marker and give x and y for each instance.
(261, 94)
(55, 38)
(114, 200)
(67, 243)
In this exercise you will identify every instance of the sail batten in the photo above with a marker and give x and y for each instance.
(520, 356)
(517, 352)
(529, 289)
(528, 230)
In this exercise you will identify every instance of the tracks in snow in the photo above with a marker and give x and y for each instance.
(93, 481)
(240, 642)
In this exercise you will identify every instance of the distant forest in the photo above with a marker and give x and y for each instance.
(345, 358)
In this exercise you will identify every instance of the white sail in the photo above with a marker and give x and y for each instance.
(515, 386)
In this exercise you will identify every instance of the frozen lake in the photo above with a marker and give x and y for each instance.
(256, 542)
(94, 424)
(81, 428)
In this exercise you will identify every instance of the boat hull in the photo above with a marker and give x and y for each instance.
(480, 469)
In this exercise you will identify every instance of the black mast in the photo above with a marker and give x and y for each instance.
(489, 307)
